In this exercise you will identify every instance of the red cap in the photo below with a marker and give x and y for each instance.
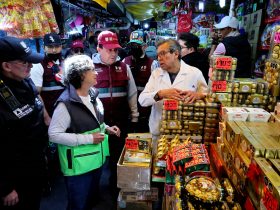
(77, 44)
(109, 40)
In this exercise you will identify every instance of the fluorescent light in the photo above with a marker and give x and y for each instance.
(201, 6)
(146, 25)
(222, 3)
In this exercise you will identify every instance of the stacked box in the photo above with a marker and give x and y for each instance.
(222, 70)
(211, 122)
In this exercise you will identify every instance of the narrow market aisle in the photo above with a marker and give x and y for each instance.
(57, 200)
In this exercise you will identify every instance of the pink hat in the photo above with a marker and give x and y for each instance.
(109, 40)
(77, 44)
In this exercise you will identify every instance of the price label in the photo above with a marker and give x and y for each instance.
(170, 104)
(131, 144)
(219, 86)
(269, 201)
(277, 38)
(223, 63)
(274, 66)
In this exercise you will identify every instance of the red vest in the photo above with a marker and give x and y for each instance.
(112, 83)
(141, 71)
(49, 81)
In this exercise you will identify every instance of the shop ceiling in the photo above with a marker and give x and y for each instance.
(132, 9)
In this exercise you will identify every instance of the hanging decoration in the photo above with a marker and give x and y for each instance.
(184, 22)
(102, 3)
(27, 19)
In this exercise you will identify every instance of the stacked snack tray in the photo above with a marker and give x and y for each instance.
(222, 70)
(166, 144)
(171, 115)
(193, 118)
(274, 52)
(271, 75)
(211, 122)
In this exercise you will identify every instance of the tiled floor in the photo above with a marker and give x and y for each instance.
(57, 199)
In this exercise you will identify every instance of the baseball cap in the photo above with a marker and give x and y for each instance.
(12, 48)
(108, 39)
(52, 39)
(137, 37)
(227, 21)
(77, 44)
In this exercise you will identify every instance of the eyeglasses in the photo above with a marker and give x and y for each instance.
(183, 47)
(78, 50)
(162, 53)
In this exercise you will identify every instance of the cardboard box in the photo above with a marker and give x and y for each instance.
(257, 115)
(234, 114)
(232, 134)
(133, 177)
(250, 147)
(139, 195)
(135, 205)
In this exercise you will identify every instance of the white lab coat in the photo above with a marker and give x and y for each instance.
(188, 78)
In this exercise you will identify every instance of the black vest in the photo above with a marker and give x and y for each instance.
(82, 119)
(239, 47)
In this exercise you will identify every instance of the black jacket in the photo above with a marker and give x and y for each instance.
(22, 140)
(199, 61)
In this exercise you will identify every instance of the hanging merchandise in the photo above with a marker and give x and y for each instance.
(27, 19)
(184, 22)
(103, 3)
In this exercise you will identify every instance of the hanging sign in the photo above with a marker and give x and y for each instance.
(277, 38)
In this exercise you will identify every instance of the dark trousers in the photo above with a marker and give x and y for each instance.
(116, 145)
(83, 190)
(29, 191)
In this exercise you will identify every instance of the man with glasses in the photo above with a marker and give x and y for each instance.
(174, 80)
(47, 78)
(23, 132)
(118, 93)
(233, 44)
(140, 65)
(189, 44)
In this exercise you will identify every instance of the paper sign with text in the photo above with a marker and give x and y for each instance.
(219, 86)
(170, 104)
(223, 63)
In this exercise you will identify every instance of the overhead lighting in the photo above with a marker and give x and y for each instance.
(222, 3)
(201, 6)
(146, 25)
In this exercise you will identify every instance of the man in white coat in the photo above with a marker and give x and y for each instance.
(174, 80)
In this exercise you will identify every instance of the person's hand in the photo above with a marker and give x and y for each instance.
(113, 130)
(11, 199)
(97, 138)
(172, 93)
(191, 96)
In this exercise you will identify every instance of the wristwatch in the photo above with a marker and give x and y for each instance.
(156, 97)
